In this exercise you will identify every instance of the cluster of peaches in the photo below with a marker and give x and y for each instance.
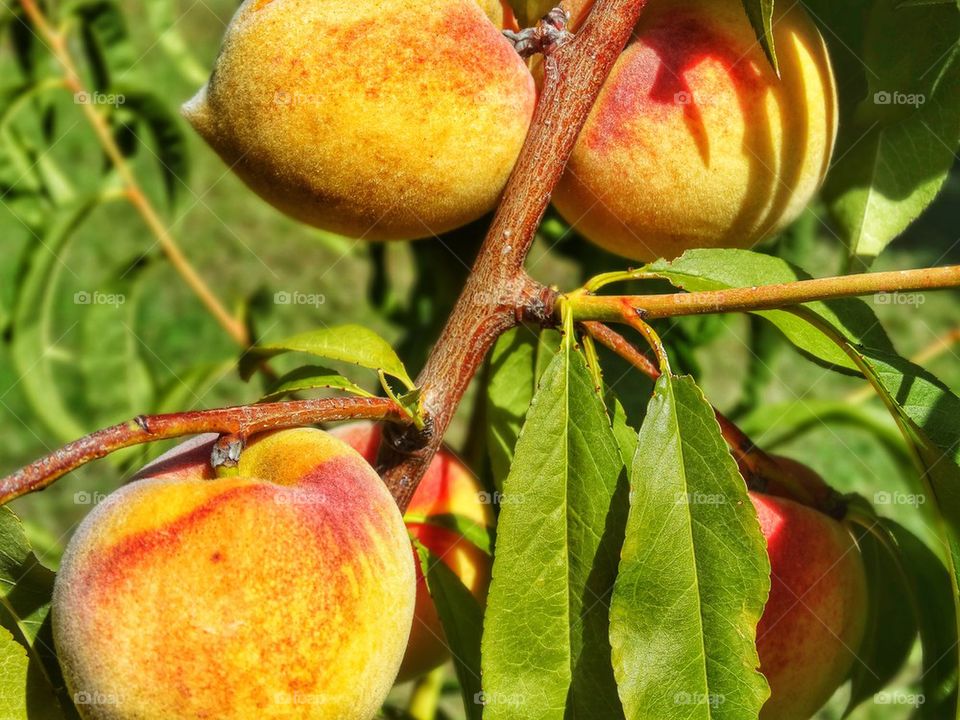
(291, 589)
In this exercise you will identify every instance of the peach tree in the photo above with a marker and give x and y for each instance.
(606, 543)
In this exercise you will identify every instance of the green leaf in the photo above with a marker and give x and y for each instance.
(170, 145)
(312, 377)
(347, 343)
(694, 573)
(772, 425)
(462, 620)
(118, 380)
(480, 536)
(760, 13)
(105, 39)
(509, 392)
(34, 339)
(900, 115)
(29, 673)
(891, 627)
(933, 593)
(545, 648)
(163, 16)
(928, 415)
(699, 270)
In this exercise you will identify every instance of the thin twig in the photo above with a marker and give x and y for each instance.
(242, 421)
(610, 308)
(58, 47)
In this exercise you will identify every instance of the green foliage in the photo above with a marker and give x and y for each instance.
(694, 574)
(351, 344)
(462, 619)
(561, 524)
(588, 582)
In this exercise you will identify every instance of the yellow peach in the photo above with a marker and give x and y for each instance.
(284, 592)
(447, 488)
(379, 119)
(694, 141)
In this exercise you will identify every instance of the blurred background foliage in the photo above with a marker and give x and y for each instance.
(70, 365)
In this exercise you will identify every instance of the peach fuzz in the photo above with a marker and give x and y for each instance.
(285, 592)
(694, 141)
(379, 119)
(447, 488)
(814, 619)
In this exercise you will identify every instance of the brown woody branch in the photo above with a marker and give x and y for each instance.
(240, 422)
(574, 72)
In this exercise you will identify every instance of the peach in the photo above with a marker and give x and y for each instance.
(448, 488)
(694, 142)
(286, 591)
(380, 119)
(814, 619)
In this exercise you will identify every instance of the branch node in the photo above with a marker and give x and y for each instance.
(226, 452)
(543, 39)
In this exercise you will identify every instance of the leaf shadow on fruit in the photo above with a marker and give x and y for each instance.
(771, 177)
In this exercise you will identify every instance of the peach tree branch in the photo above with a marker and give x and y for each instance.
(236, 422)
(498, 294)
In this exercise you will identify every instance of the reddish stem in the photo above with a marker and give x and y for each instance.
(242, 421)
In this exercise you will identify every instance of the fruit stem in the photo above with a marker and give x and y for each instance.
(57, 45)
(238, 422)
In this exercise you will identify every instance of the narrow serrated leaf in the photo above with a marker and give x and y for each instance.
(699, 270)
(760, 13)
(891, 625)
(545, 648)
(694, 573)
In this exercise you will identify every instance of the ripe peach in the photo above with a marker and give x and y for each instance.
(694, 141)
(447, 488)
(813, 622)
(380, 119)
(284, 592)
